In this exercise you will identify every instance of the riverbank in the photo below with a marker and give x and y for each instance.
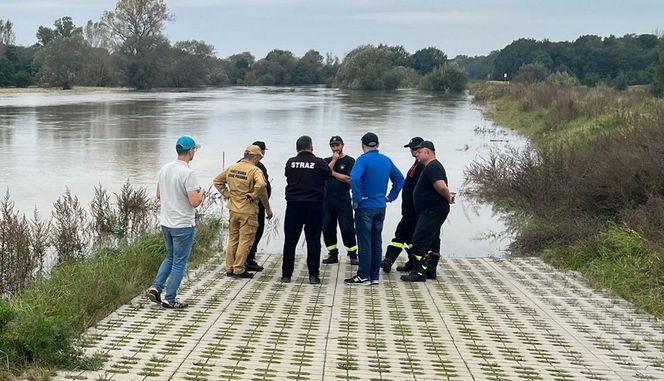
(41, 326)
(57, 90)
(588, 194)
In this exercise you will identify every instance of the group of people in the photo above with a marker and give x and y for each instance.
(320, 193)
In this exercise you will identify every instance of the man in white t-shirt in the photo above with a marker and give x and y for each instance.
(179, 193)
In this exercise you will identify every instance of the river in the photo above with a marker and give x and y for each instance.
(57, 140)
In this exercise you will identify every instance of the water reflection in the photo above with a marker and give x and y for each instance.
(76, 141)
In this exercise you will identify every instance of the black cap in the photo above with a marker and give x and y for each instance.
(370, 139)
(336, 140)
(260, 145)
(426, 144)
(414, 142)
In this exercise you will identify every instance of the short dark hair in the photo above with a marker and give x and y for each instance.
(303, 143)
(181, 151)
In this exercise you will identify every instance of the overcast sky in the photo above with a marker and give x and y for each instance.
(473, 27)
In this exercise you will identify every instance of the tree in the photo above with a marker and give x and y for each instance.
(448, 78)
(658, 85)
(135, 28)
(97, 35)
(425, 60)
(7, 36)
(134, 23)
(191, 63)
(237, 66)
(531, 73)
(62, 62)
(63, 27)
(372, 68)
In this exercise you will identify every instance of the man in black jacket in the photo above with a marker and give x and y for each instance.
(338, 206)
(251, 264)
(306, 175)
(406, 226)
(432, 199)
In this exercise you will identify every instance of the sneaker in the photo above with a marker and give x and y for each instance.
(374, 281)
(314, 279)
(244, 275)
(353, 259)
(253, 266)
(285, 279)
(386, 264)
(176, 304)
(332, 258)
(356, 280)
(154, 295)
(414, 276)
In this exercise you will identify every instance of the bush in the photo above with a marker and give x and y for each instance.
(373, 68)
(532, 73)
(448, 78)
(563, 79)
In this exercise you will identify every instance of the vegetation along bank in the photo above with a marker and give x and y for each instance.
(588, 193)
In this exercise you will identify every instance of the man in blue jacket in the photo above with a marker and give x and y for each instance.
(368, 182)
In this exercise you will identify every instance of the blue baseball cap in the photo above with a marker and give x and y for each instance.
(185, 143)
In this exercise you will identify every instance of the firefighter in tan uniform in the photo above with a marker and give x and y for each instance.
(243, 185)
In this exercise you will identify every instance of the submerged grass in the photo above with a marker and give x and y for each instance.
(588, 193)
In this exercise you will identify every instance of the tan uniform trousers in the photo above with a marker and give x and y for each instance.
(241, 233)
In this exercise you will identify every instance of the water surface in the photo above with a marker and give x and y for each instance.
(54, 141)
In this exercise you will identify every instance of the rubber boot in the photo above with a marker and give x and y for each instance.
(331, 258)
(409, 265)
(417, 275)
(391, 255)
(353, 258)
(431, 266)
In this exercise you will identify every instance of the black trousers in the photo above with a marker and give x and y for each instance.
(340, 209)
(259, 234)
(427, 231)
(402, 236)
(298, 215)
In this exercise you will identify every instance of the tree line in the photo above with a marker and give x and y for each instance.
(592, 60)
(127, 47)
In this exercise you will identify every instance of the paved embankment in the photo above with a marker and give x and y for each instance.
(482, 319)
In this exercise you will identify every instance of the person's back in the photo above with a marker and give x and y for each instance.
(179, 193)
(368, 180)
(306, 175)
(377, 170)
(175, 180)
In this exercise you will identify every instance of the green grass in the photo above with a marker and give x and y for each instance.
(613, 251)
(621, 261)
(39, 328)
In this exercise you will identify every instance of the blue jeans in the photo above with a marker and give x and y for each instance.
(178, 245)
(369, 229)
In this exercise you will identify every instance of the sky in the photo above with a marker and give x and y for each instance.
(471, 27)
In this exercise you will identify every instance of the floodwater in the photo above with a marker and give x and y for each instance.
(54, 141)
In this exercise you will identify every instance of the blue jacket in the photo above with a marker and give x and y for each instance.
(368, 180)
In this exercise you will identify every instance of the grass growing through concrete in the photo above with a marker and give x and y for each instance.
(588, 193)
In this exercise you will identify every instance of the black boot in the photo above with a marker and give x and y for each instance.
(353, 258)
(332, 258)
(386, 264)
(391, 255)
(407, 267)
(414, 276)
(431, 267)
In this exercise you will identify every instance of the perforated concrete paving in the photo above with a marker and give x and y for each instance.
(483, 319)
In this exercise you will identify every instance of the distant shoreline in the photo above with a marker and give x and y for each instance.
(75, 90)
